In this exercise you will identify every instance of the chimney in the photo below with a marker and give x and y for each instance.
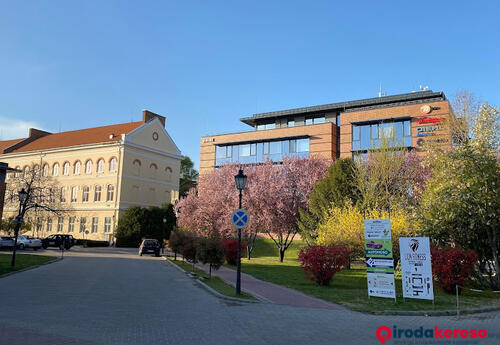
(37, 133)
(149, 116)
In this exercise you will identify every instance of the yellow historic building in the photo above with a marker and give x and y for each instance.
(100, 172)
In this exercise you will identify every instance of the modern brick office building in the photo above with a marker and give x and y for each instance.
(343, 129)
(99, 172)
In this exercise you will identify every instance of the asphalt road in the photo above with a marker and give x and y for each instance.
(110, 296)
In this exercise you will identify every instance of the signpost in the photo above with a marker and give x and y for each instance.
(416, 268)
(240, 219)
(379, 260)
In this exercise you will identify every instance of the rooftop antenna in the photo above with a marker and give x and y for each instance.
(423, 88)
(380, 90)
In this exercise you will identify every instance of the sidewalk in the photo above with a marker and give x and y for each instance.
(271, 292)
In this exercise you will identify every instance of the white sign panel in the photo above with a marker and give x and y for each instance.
(416, 268)
(379, 260)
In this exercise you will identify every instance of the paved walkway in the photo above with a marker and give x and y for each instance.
(270, 292)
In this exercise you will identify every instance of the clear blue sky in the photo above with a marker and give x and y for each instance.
(204, 64)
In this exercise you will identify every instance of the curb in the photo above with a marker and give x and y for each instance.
(438, 312)
(200, 282)
(31, 267)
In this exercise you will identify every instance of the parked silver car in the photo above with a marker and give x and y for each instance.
(29, 242)
(6, 242)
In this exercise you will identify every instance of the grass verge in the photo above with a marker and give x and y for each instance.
(215, 283)
(22, 261)
(348, 287)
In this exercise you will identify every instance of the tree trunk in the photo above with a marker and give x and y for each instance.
(210, 271)
(282, 254)
(250, 245)
(175, 256)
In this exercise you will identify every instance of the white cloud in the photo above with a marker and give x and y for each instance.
(13, 128)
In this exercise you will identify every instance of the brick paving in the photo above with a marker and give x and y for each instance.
(105, 297)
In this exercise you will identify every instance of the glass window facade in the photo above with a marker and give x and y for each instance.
(370, 136)
(261, 151)
(266, 126)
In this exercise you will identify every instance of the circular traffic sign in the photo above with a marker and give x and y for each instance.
(240, 218)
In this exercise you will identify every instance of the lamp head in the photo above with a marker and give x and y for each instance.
(23, 195)
(241, 180)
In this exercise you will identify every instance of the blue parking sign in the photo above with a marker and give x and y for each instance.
(240, 218)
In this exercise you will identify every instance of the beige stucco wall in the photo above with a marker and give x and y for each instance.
(131, 186)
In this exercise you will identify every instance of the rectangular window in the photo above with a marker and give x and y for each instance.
(261, 127)
(97, 193)
(407, 128)
(245, 150)
(291, 123)
(271, 126)
(83, 224)
(95, 223)
(274, 147)
(320, 119)
(309, 121)
(374, 131)
(355, 133)
(74, 193)
(303, 145)
(107, 224)
(71, 224)
(63, 194)
(49, 224)
(266, 148)
(60, 223)
(39, 224)
(292, 146)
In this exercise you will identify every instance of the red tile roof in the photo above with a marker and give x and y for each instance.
(74, 138)
(8, 143)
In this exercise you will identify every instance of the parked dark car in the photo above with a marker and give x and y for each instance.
(149, 246)
(67, 241)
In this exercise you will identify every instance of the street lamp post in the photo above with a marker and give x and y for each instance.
(241, 181)
(163, 239)
(19, 221)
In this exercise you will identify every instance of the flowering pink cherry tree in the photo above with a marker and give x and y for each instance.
(279, 191)
(273, 195)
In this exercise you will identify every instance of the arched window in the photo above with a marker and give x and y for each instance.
(136, 167)
(36, 169)
(100, 166)
(85, 193)
(168, 172)
(55, 169)
(26, 170)
(88, 167)
(66, 169)
(154, 168)
(110, 193)
(97, 193)
(112, 164)
(16, 174)
(45, 171)
(76, 170)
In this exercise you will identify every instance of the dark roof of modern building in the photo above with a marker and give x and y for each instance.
(367, 103)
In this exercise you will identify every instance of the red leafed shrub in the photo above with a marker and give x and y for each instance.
(320, 263)
(452, 267)
(231, 250)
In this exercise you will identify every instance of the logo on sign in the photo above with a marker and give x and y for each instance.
(414, 245)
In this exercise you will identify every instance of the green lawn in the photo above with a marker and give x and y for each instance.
(266, 248)
(215, 283)
(348, 287)
(22, 261)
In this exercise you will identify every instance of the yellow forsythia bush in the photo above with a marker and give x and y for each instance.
(344, 226)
